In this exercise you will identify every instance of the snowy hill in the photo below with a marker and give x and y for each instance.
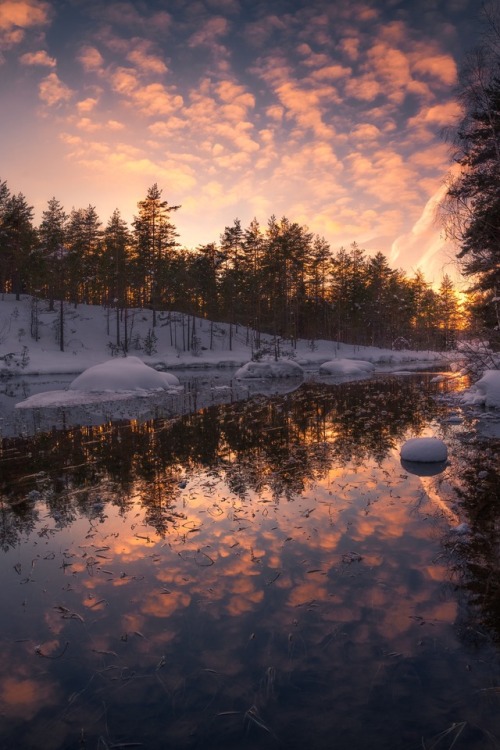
(90, 338)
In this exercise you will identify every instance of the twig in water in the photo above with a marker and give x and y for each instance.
(38, 651)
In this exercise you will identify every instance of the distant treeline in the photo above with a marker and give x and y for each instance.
(279, 279)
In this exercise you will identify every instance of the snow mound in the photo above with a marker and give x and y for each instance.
(122, 374)
(424, 450)
(346, 367)
(282, 368)
(486, 391)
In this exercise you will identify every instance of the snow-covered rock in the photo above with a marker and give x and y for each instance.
(347, 368)
(424, 450)
(282, 368)
(486, 391)
(122, 374)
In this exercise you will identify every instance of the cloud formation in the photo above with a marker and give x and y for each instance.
(328, 113)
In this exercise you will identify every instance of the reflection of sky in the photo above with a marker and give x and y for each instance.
(264, 568)
(241, 599)
(328, 113)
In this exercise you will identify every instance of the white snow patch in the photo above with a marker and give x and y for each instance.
(123, 374)
(282, 368)
(424, 450)
(347, 368)
(486, 391)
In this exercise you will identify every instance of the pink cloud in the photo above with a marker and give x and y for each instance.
(440, 67)
(126, 14)
(53, 91)
(86, 105)
(350, 47)
(23, 14)
(38, 58)
(91, 59)
(439, 115)
(366, 132)
(258, 33)
(365, 88)
(211, 30)
(143, 59)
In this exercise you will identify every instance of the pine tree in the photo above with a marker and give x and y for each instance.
(113, 270)
(17, 240)
(450, 316)
(52, 237)
(155, 238)
(83, 253)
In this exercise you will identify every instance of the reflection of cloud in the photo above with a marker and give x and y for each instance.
(22, 696)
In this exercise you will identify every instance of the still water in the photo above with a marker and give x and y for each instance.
(257, 574)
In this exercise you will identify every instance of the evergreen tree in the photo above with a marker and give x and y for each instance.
(83, 253)
(113, 271)
(52, 237)
(155, 238)
(17, 240)
(450, 316)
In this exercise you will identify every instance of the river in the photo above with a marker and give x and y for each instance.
(253, 571)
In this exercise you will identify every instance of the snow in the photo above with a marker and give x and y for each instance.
(90, 338)
(284, 368)
(424, 450)
(342, 368)
(122, 374)
(486, 391)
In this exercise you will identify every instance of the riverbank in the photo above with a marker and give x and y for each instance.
(91, 334)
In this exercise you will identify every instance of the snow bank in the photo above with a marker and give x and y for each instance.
(123, 374)
(283, 368)
(347, 368)
(424, 450)
(486, 391)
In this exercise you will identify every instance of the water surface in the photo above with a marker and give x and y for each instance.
(257, 574)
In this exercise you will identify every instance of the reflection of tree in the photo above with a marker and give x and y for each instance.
(477, 555)
(279, 443)
(14, 521)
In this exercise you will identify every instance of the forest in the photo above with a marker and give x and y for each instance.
(279, 279)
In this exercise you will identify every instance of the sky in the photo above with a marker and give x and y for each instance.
(328, 112)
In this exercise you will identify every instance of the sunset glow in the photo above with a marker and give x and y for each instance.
(328, 113)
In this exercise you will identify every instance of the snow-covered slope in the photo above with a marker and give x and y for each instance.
(90, 338)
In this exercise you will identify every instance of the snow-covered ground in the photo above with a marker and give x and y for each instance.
(486, 391)
(90, 338)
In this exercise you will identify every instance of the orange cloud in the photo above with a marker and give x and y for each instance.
(23, 14)
(350, 47)
(366, 132)
(52, 91)
(365, 88)
(91, 59)
(38, 58)
(147, 62)
(442, 67)
(213, 28)
(440, 114)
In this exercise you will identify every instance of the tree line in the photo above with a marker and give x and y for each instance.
(279, 279)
